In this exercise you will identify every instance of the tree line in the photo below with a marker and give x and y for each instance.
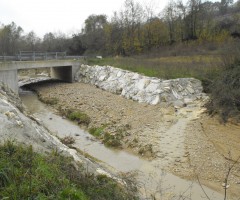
(135, 29)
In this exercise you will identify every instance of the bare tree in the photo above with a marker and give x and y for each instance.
(193, 17)
(170, 17)
(32, 40)
(132, 17)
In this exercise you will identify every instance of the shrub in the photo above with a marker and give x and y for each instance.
(67, 140)
(79, 117)
(112, 140)
(225, 94)
(97, 132)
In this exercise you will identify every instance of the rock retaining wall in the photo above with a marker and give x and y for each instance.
(141, 88)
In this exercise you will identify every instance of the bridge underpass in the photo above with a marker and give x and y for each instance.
(60, 69)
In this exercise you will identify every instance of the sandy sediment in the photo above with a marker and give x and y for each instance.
(186, 141)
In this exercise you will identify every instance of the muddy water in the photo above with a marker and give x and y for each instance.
(150, 175)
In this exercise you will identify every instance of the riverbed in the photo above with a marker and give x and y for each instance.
(150, 176)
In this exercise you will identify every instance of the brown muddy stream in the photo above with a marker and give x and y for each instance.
(150, 176)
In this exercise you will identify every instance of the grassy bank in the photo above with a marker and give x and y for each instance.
(198, 66)
(25, 174)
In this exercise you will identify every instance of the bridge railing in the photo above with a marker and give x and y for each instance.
(26, 55)
(7, 58)
(34, 56)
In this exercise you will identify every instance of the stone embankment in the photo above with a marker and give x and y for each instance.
(179, 92)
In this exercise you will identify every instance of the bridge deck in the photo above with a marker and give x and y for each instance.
(60, 69)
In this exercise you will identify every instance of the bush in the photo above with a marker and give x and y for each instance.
(67, 140)
(78, 116)
(112, 140)
(225, 94)
(97, 132)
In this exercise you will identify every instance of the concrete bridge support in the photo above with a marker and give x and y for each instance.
(10, 78)
(62, 73)
(62, 70)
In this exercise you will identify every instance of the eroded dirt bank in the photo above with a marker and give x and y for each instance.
(186, 141)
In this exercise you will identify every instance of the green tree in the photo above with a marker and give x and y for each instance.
(76, 46)
(93, 33)
(10, 36)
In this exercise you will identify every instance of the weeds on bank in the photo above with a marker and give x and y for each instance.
(97, 131)
(113, 139)
(67, 140)
(25, 174)
(110, 140)
(201, 66)
(80, 117)
(76, 115)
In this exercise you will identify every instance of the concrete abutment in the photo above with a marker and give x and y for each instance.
(62, 70)
(9, 78)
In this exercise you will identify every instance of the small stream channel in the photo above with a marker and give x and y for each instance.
(150, 175)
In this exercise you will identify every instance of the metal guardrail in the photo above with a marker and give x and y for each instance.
(35, 56)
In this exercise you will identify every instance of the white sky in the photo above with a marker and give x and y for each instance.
(66, 16)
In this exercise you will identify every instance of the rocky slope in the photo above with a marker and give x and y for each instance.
(141, 88)
(17, 126)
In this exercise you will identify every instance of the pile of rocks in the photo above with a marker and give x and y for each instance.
(141, 88)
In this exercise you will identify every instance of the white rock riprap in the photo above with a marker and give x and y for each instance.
(141, 88)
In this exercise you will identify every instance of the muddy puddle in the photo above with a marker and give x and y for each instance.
(152, 179)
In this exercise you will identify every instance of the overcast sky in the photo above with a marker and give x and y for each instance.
(67, 16)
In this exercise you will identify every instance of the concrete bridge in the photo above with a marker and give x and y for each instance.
(60, 69)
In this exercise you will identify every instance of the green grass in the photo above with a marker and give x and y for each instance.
(97, 131)
(25, 174)
(76, 115)
(28, 175)
(202, 67)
